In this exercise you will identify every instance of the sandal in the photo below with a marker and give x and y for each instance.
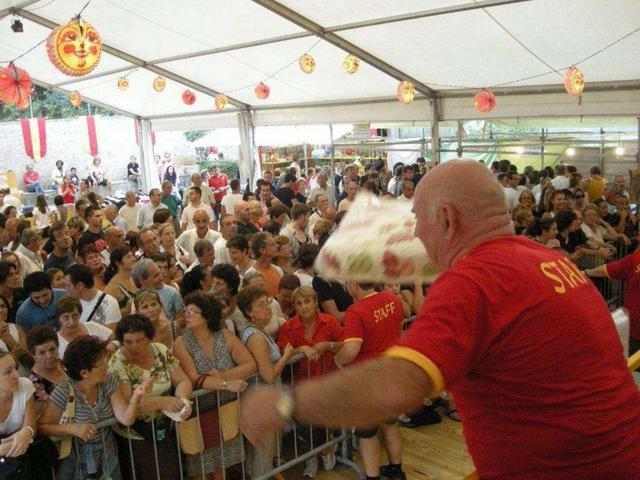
(453, 414)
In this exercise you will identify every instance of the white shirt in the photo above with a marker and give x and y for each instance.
(108, 312)
(29, 262)
(230, 201)
(190, 210)
(130, 215)
(11, 201)
(93, 328)
(511, 196)
(598, 234)
(41, 220)
(15, 419)
(221, 252)
(145, 215)
(57, 177)
(188, 239)
(560, 182)
(315, 191)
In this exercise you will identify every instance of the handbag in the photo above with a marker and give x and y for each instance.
(64, 444)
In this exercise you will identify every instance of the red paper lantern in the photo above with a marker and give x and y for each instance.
(74, 48)
(307, 63)
(406, 92)
(15, 86)
(188, 97)
(574, 81)
(262, 91)
(221, 102)
(484, 100)
(75, 98)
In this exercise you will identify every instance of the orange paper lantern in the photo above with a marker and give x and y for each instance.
(159, 84)
(406, 92)
(188, 97)
(350, 64)
(123, 83)
(221, 102)
(74, 48)
(574, 81)
(484, 100)
(75, 98)
(15, 86)
(262, 91)
(307, 63)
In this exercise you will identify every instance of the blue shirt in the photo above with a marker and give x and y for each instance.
(171, 301)
(29, 314)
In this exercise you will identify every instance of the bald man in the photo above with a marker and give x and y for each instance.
(524, 342)
(188, 238)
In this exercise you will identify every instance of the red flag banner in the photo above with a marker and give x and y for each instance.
(137, 129)
(34, 134)
(89, 134)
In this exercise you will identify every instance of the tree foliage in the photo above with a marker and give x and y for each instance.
(193, 135)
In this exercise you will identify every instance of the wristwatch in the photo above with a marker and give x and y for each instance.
(285, 406)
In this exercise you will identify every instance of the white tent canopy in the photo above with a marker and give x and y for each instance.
(447, 48)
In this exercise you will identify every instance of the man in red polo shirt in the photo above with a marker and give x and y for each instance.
(626, 270)
(219, 183)
(522, 340)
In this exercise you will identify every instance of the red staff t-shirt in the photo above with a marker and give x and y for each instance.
(530, 352)
(627, 270)
(374, 320)
(221, 181)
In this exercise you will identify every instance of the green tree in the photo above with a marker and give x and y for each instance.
(193, 135)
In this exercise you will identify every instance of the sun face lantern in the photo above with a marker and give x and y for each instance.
(15, 86)
(406, 92)
(307, 63)
(484, 100)
(221, 102)
(123, 83)
(262, 91)
(350, 64)
(188, 97)
(574, 81)
(74, 48)
(75, 98)
(159, 84)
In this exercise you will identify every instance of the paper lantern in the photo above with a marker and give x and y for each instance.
(75, 98)
(406, 92)
(15, 86)
(123, 83)
(350, 64)
(262, 91)
(307, 63)
(484, 100)
(221, 102)
(188, 97)
(574, 81)
(74, 48)
(159, 84)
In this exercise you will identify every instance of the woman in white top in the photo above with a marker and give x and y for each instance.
(596, 229)
(12, 338)
(68, 312)
(306, 258)
(41, 214)
(98, 175)
(167, 234)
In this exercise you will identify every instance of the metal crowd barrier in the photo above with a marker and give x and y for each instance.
(292, 447)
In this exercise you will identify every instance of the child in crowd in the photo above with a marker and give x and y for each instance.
(57, 277)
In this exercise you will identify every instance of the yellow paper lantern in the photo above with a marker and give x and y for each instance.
(74, 48)
(406, 92)
(75, 98)
(159, 84)
(221, 102)
(350, 64)
(307, 63)
(123, 83)
(574, 81)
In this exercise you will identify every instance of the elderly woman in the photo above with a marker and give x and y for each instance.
(47, 371)
(213, 359)
(118, 278)
(147, 303)
(256, 280)
(167, 234)
(68, 313)
(522, 217)
(139, 359)
(527, 199)
(96, 396)
(596, 229)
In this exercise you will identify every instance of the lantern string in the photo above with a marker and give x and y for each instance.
(608, 46)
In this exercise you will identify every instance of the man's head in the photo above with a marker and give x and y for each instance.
(321, 178)
(289, 178)
(114, 237)
(266, 190)
(242, 211)
(300, 215)
(84, 186)
(620, 183)
(215, 170)
(238, 247)
(322, 203)
(228, 226)
(29, 167)
(264, 247)
(111, 212)
(514, 179)
(167, 188)
(131, 198)
(610, 193)
(155, 196)
(31, 239)
(201, 220)
(59, 164)
(195, 194)
(459, 205)
(622, 203)
(407, 188)
(95, 216)
(204, 251)
(60, 237)
(352, 190)
(149, 241)
(146, 274)
(78, 280)
(196, 179)
(267, 176)
(133, 159)
(407, 172)
(235, 185)
(38, 286)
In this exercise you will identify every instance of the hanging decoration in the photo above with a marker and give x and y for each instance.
(136, 126)
(34, 134)
(159, 84)
(89, 134)
(75, 98)
(262, 91)
(307, 63)
(221, 102)
(15, 86)
(123, 83)
(484, 100)
(350, 64)
(406, 92)
(188, 97)
(574, 81)
(74, 48)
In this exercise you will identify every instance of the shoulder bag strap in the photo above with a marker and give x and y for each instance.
(95, 309)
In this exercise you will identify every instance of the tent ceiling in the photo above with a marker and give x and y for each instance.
(229, 46)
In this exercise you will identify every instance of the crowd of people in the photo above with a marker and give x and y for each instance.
(125, 312)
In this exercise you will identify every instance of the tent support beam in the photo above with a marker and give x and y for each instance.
(435, 132)
(14, 10)
(135, 61)
(342, 43)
